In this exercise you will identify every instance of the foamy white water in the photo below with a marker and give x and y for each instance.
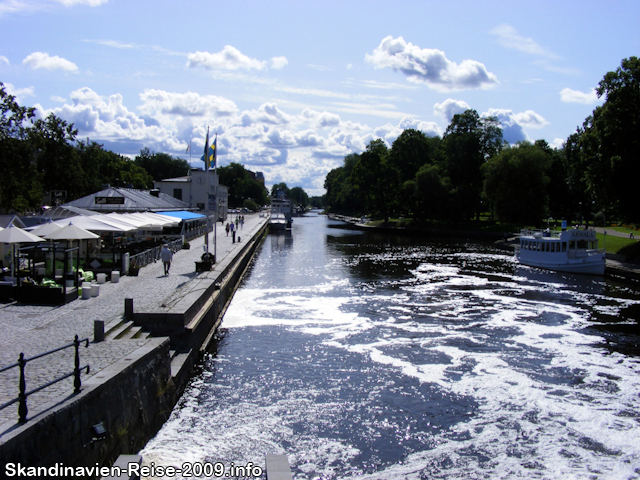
(382, 358)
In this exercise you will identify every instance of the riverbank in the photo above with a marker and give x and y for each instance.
(135, 378)
(617, 266)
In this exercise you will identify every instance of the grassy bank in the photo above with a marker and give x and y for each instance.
(619, 245)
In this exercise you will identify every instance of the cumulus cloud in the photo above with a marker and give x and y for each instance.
(431, 129)
(19, 93)
(229, 58)
(321, 119)
(430, 66)
(4, 59)
(513, 124)
(574, 96)
(449, 108)
(107, 119)
(279, 62)
(39, 60)
(267, 113)
(189, 104)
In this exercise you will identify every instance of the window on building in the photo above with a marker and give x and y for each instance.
(177, 193)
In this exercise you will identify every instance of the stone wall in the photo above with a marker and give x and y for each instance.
(132, 399)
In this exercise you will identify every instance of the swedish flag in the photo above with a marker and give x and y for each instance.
(209, 156)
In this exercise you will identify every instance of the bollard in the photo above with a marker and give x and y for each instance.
(128, 308)
(98, 331)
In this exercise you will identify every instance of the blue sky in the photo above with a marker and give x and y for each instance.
(291, 87)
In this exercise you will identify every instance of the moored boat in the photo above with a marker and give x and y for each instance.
(571, 250)
(278, 222)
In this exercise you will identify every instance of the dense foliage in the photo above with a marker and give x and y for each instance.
(471, 169)
(41, 156)
(242, 186)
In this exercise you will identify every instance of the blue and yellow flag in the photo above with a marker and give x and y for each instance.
(210, 158)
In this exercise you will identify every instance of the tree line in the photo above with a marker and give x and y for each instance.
(38, 156)
(471, 170)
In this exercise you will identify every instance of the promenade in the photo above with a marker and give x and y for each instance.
(35, 329)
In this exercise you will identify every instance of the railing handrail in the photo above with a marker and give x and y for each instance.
(22, 362)
(151, 255)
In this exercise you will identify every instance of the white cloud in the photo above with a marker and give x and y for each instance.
(113, 43)
(268, 113)
(90, 3)
(513, 124)
(449, 108)
(229, 58)
(321, 119)
(39, 60)
(430, 66)
(107, 119)
(4, 59)
(558, 142)
(574, 96)
(279, 62)
(530, 119)
(508, 37)
(159, 102)
(19, 93)
(431, 129)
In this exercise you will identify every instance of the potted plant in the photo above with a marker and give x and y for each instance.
(134, 269)
(186, 246)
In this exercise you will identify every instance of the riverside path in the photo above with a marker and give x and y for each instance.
(36, 329)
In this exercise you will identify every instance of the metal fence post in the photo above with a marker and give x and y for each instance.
(76, 381)
(22, 406)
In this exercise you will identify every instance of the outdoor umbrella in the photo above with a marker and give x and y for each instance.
(13, 235)
(46, 228)
(71, 232)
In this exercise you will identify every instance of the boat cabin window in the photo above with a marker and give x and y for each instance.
(564, 246)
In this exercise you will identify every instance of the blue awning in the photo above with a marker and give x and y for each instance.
(183, 215)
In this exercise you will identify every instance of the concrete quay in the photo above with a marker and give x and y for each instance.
(130, 366)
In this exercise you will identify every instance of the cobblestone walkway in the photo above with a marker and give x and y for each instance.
(36, 329)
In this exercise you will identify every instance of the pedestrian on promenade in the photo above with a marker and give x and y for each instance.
(233, 232)
(166, 256)
(242, 222)
(227, 228)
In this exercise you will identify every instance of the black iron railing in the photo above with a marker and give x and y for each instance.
(22, 362)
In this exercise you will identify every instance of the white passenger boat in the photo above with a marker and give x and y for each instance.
(573, 250)
(278, 222)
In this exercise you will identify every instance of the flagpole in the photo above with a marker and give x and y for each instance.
(215, 222)
(206, 200)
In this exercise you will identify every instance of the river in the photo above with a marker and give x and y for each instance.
(375, 356)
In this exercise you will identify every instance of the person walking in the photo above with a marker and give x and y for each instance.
(227, 229)
(166, 256)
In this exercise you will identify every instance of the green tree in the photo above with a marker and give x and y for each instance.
(161, 165)
(371, 175)
(411, 150)
(20, 188)
(241, 185)
(282, 186)
(467, 143)
(432, 193)
(515, 184)
(299, 196)
(105, 167)
(57, 158)
(610, 141)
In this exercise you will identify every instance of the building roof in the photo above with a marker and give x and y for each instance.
(128, 200)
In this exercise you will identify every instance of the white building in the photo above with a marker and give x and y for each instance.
(192, 190)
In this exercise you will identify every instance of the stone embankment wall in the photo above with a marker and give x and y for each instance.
(133, 397)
